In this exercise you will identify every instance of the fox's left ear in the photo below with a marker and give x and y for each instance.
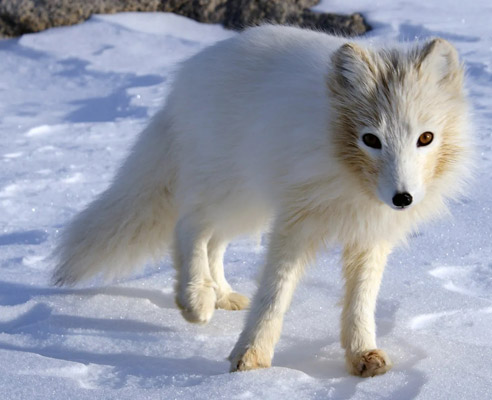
(440, 59)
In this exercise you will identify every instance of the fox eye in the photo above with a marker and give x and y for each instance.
(371, 140)
(425, 139)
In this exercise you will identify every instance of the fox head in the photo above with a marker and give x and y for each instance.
(400, 124)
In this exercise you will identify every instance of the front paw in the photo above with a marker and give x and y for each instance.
(249, 359)
(368, 363)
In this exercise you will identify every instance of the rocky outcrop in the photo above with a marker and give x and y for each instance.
(26, 16)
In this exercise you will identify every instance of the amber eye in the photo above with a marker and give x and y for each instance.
(371, 140)
(425, 139)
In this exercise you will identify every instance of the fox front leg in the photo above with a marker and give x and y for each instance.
(293, 244)
(363, 270)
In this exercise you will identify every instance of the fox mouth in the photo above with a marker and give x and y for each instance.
(400, 208)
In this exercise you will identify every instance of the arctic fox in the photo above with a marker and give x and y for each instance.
(309, 136)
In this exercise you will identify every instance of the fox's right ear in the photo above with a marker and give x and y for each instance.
(353, 68)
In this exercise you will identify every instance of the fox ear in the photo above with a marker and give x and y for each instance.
(439, 58)
(352, 67)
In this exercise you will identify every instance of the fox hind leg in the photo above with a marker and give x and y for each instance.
(195, 288)
(227, 299)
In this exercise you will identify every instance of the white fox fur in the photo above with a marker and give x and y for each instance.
(265, 131)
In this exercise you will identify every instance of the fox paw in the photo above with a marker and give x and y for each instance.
(197, 303)
(368, 363)
(250, 359)
(232, 301)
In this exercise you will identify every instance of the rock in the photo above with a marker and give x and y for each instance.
(240, 14)
(26, 16)
(209, 11)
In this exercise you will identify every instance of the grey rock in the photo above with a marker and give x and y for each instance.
(243, 13)
(26, 16)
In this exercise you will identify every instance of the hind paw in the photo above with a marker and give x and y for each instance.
(250, 359)
(232, 301)
(197, 303)
(368, 363)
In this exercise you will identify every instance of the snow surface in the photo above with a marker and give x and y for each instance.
(72, 100)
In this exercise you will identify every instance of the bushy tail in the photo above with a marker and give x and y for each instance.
(131, 221)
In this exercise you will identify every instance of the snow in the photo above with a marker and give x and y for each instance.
(72, 101)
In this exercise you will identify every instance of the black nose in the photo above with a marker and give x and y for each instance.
(402, 199)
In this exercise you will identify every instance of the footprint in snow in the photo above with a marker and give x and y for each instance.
(451, 320)
(473, 280)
